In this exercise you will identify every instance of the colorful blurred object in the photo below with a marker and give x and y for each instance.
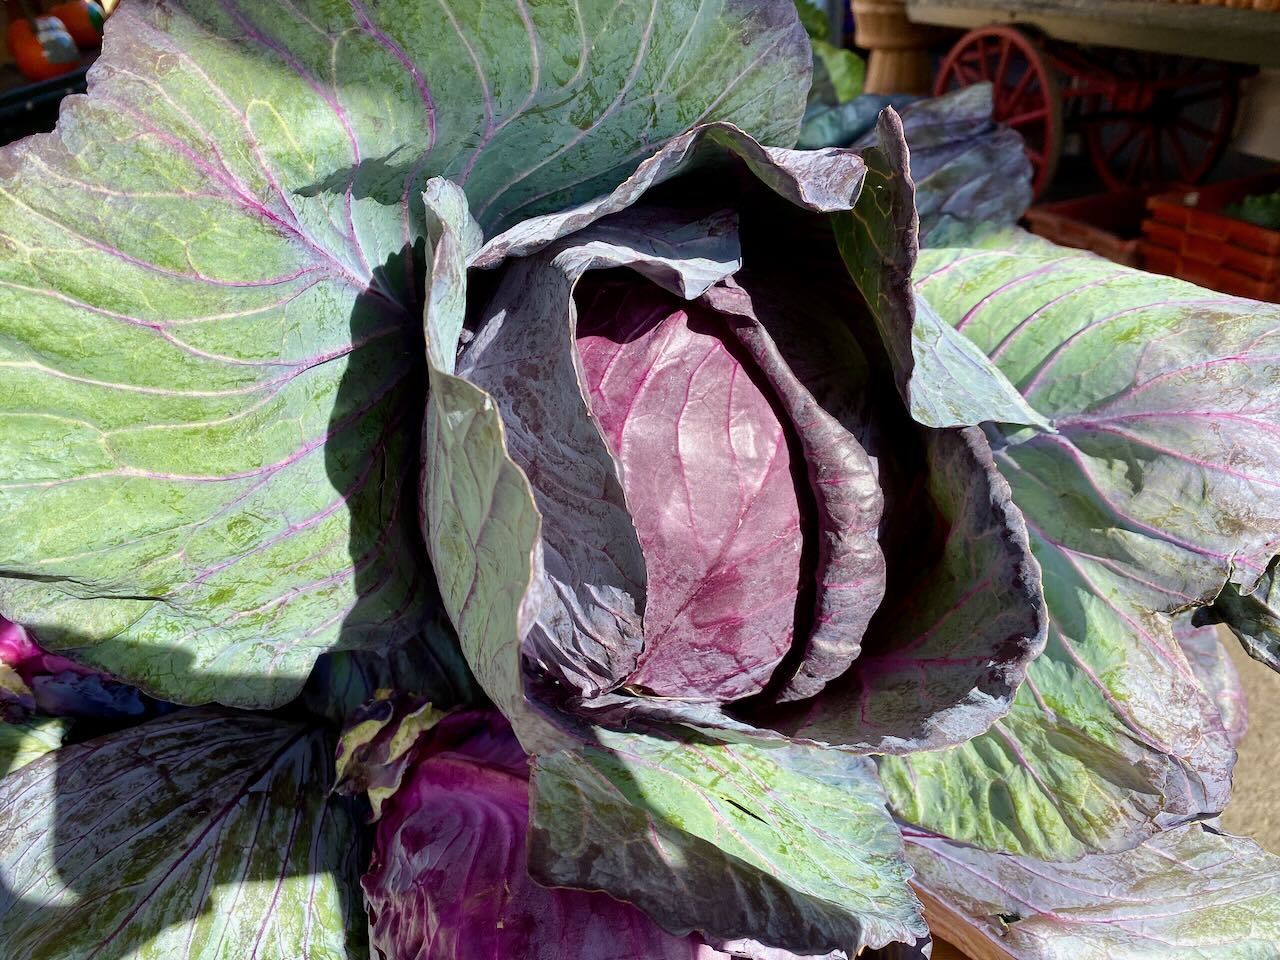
(83, 20)
(41, 46)
(33, 680)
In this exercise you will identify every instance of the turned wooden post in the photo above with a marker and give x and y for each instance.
(899, 49)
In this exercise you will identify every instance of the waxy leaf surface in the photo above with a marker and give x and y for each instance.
(789, 846)
(1207, 654)
(1189, 893)
(479, 517)
(450, 879)
(211, 298)
(709, 476)
(945, 382)
(1161, 484)
(20, 743)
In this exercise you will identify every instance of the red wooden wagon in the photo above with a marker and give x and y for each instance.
(1149, 104)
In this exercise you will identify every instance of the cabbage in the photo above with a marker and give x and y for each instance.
(693, 565)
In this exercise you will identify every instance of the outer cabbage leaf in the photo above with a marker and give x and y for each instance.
(822, 181)
(1160, 486)
(1254, 617)
(480, 520)
(187, 836)
(947, 651)
(788, 846)
(449, 877)
(1190, 892)
(1213, 667)
(211, 352)
(967, 169)
(945, 382)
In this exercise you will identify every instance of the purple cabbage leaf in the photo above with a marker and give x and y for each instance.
(212, 353)
(1156, 494)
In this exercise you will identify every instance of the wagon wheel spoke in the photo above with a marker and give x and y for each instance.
(1019, 91)
(983, 66)
(1185, 168)
(1024, 118)
(1138, 158)
(1002, 65)
(1193, 128)
(1115, 148)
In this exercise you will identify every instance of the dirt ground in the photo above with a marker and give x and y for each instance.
(1254, 810)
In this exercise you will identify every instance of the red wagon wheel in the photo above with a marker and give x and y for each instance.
(1167, 120)
(1024, 90)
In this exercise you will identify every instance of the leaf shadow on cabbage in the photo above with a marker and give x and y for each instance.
(276, 765)
(203, 824)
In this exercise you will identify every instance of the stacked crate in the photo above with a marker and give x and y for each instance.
(1186, 235)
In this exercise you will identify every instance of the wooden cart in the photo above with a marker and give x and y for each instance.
(1153, 93)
